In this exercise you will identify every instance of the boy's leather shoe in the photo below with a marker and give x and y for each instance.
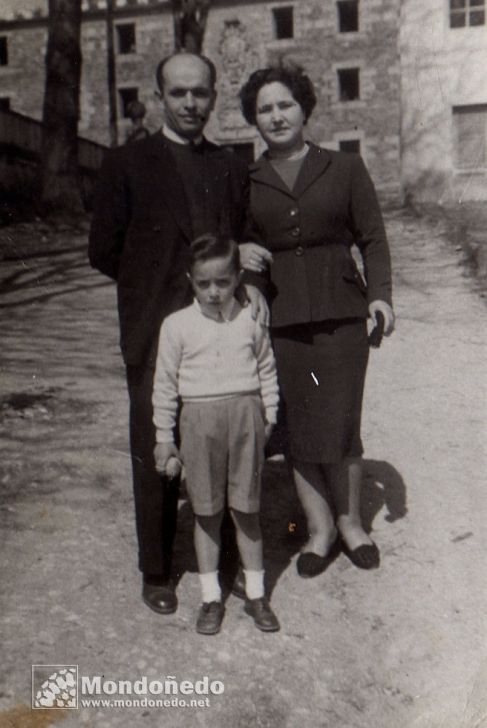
(264, 617)
(210, 618)
(161, 598)
(238, 586)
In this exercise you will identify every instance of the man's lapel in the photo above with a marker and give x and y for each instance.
(169, 183)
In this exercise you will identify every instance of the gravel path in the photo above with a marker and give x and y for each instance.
(402, 647)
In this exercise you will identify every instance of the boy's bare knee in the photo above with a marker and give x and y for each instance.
(209, 523)
(248, 523)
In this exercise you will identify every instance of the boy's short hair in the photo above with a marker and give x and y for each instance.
(209, 246)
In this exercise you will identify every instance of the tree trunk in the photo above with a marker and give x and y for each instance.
(190, 18)
(111, 76)
(59, 176)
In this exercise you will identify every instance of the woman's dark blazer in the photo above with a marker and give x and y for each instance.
(310, 231)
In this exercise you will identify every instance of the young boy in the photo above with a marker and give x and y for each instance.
(219, 362)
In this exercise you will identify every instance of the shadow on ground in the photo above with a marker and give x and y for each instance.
(283, 520)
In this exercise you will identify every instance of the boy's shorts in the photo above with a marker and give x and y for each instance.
(222, 446)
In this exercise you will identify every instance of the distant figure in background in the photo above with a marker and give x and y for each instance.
(136, 111)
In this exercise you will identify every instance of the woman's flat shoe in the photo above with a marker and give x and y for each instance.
(366, 556)
(310, 564)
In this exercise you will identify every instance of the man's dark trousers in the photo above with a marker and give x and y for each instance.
(156, 497)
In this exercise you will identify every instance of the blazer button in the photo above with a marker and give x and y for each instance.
(296, 232)
(156, 228)
(293, 211)
(299, 250)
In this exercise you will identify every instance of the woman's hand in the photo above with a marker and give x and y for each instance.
(258, 305)
(254, 257)
(386, 311)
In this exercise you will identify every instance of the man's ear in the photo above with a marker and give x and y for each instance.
(213, 99)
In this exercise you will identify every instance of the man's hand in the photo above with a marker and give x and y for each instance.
(254, 257)
(163, 451)
(386, 311)
(258, 305)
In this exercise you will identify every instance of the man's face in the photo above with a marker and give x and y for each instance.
(187, 95)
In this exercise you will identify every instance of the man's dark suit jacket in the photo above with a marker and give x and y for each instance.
(310, 231)
(141, 230)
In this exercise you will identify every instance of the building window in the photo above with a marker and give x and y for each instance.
(4, 103)
(127, 95)
(3, 50)
(349, 145)
(347, 16)
(467, 12)
(283, 23)
(470, 132)
(348, 84)
(126, 38)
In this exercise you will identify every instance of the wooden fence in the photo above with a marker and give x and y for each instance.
(21, 137)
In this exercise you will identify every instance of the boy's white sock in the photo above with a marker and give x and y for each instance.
(210, 587)
(254, 584)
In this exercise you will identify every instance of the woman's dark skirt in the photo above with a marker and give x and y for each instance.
(321, 368)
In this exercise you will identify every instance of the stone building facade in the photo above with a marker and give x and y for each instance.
(350, 50)
(443, 48)
(400, 81)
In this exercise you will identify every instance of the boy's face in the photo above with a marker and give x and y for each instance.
(214, 282)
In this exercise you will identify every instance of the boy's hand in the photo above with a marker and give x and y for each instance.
(268, 431)
(163, 452)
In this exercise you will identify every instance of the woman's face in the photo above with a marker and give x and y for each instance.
(279, 117)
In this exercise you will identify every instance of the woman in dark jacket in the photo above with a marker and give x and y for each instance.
(309, 206)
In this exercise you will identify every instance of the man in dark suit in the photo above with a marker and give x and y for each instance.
(154, 197)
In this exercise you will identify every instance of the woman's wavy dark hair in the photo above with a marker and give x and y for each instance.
(291, 76)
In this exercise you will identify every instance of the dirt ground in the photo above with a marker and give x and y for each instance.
(401, 647)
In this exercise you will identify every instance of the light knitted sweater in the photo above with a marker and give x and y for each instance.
(200, 359)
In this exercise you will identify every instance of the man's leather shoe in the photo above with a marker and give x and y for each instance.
(160, 598)
(264, 617)
(238, 586)
(210, 618)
